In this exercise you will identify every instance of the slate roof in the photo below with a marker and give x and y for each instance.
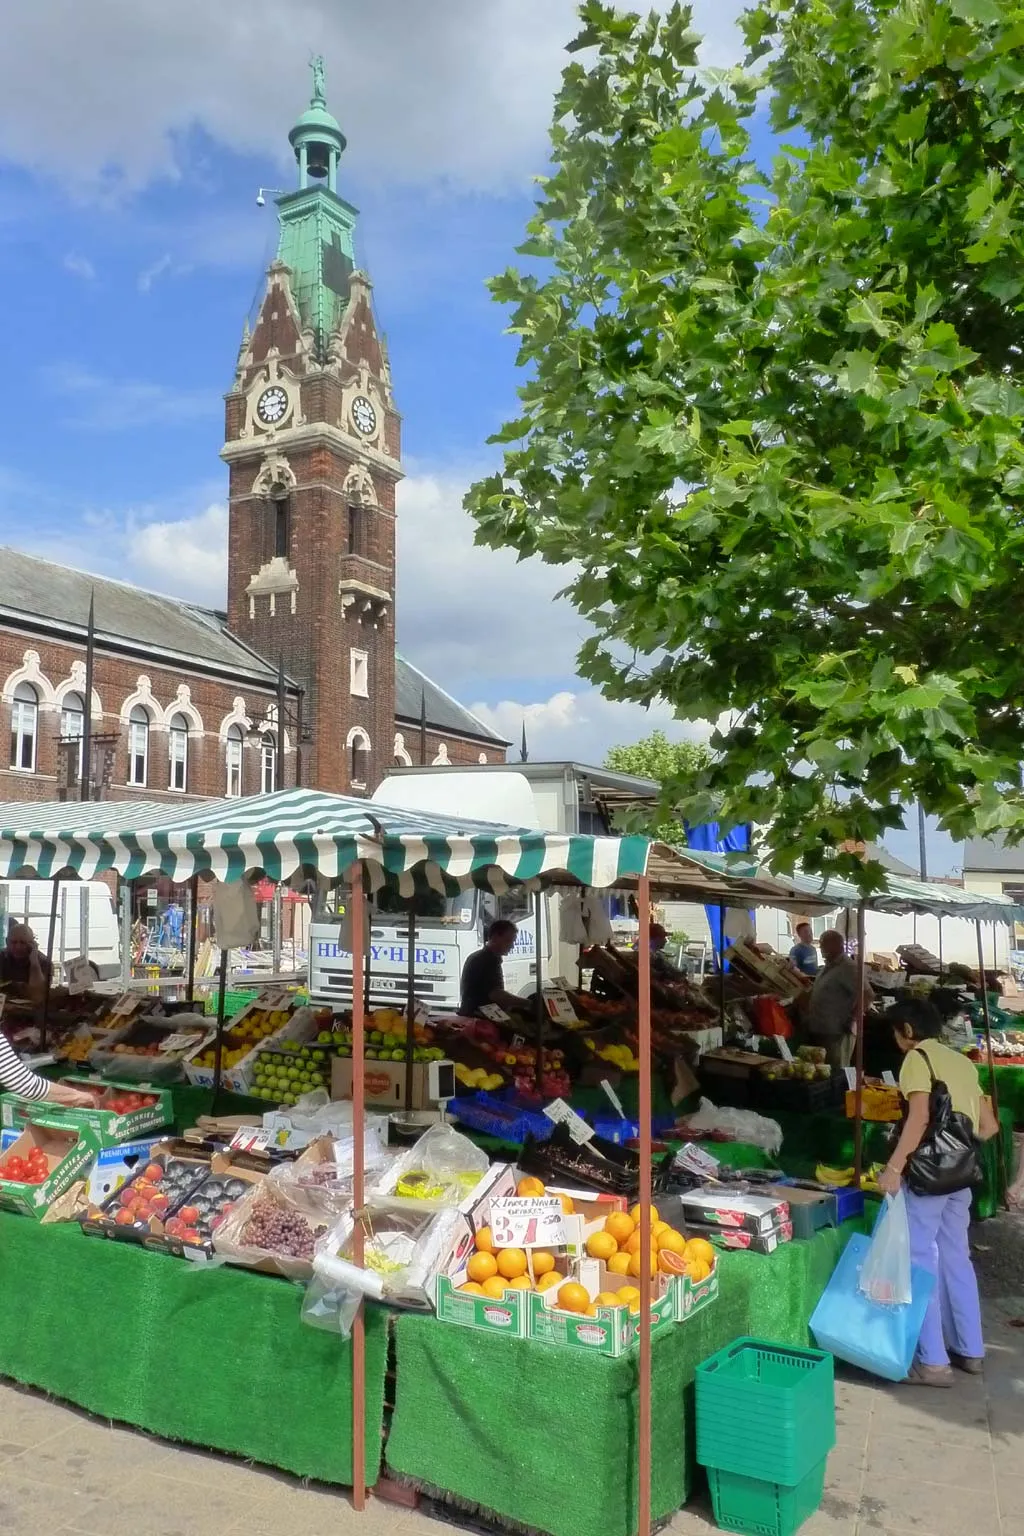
(443, 712)
(992, 855)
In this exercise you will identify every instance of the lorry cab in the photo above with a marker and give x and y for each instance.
(85, 923)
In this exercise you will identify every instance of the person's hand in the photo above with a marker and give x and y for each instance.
(889, 1181)
(70, 1098)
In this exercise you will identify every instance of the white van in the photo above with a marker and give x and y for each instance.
(86, 922)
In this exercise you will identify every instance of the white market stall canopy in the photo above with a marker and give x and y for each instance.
(900, 894)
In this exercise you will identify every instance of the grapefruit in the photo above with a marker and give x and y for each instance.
(635, 1213)
(618, 1264)
(620, 1226)
(573, 1297)
(520, 1283)
(529, 1187)
(481, 1267)
(473, 1289)
(609, 1299)
(673, 1240)
(510, 1262)
(671, 1263)
(568, 1209)
(494, 1287)
(659, 1227)
(698, 1270)
(602, 1246)
(551, 1278)
(700, 1250)
(634, 1265)
(591, 1311)
(543, 1262)
(483, 1241)
(628, 1293)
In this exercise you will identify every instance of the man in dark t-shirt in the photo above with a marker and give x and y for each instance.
(23, 970)
(483, 980)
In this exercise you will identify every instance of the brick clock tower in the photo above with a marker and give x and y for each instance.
(312, 445)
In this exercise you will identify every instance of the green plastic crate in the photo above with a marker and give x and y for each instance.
(765, 1410)
(756, 1507)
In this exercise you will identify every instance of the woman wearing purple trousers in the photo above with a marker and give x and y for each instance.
(951, 1335)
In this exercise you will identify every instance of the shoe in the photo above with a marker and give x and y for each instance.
(972, 1365)
(929, 1376)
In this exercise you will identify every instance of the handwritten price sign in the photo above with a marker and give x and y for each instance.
(524, 1222)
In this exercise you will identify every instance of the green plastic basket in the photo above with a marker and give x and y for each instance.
(765, 1410)
(757, 1507)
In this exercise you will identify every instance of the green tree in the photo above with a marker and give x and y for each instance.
(773, 417)
(670, 764)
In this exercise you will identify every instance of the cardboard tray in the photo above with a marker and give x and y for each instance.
(70, 1152)
(107, 1126)
(559, 1160)
(746, 1213)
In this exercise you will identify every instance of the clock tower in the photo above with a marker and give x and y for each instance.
(313, 451)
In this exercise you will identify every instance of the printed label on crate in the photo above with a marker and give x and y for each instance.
(559, 1008)
(563, 1114)
(528, 1222)
(495, 1014)
(185, 1039)
(126, 1004)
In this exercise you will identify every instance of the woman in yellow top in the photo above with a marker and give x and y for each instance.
(939, 1223)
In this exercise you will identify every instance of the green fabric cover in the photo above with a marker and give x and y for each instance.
(547, 1437)
(1009, 1087)
(217, 1357)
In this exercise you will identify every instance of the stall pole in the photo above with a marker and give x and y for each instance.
(995, 950)
(940, 949)
(358, 1192)
(858, 1015)
(275, 931)
(48, 979)
(127, 906)
(721, 968)
(538, 995)
(222, 988)
(644, 1050)
(410, 1011)
(193, 929)
(994, 1090)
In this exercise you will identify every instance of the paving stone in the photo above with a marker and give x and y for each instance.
(928, 1508)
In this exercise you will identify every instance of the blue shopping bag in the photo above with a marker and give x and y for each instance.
(878, 1338)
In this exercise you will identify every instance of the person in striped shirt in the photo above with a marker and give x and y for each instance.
(15, 1077)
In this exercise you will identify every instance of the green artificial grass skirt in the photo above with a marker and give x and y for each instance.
(216, 1357)
(547, 1437)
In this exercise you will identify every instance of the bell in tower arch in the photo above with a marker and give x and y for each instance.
(318, 161)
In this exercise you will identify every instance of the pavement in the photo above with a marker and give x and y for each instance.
(908, 1460)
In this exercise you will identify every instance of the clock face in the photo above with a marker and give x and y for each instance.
(364, 415)
(272, 405)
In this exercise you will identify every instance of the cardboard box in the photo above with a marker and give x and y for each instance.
(613, 1331)
(70, 1151)
(385, 1083)
(749, 1213)
(191, 1167)
(692, 1296)
(735, 1237)
(810, 1210)
(115, 1165)
(507, 1316)
(301, 1025)
(426, 1244)
(108, 1126)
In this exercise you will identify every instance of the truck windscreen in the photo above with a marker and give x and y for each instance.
(430, 908)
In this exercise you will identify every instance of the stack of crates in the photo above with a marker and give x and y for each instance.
(766, 1421)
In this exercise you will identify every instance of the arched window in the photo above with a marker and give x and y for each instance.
(359, 757)
(268, 764)
(72, 724)
(234, 761)
(138, 746)
(24, 727)
(178, 751)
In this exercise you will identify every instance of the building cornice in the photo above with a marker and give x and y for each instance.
(313, 435)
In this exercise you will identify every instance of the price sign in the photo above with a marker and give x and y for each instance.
(784, 1050)
(495, 1014)
(126, 1004)
(889, 1080)
(562, 1114)
(525, 1222)
(559, 1007)
(851, 1078)
(80, 976)
(252, 1138)
(695, 1160)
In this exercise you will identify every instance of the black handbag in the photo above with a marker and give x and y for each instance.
(948, 1158)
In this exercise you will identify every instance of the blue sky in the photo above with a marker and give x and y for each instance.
(131, 250)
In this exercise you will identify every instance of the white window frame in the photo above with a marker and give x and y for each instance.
(177, 754)
(268, 764)
(139, 726)
(24, 728)
(233, 757)
(359, 674)
(358, 741)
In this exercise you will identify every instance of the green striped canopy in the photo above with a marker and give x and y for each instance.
(283, 834)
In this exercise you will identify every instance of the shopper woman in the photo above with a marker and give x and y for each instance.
(15, 1077)
(939, 1223)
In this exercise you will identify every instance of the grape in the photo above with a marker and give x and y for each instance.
(277, 1230)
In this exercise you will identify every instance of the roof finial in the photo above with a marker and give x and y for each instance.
(316, 64)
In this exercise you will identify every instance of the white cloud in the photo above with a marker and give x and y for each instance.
(454, 93)
(581, 725)
(113, 405)
(79, 266)
(186, 557)
(150, 274)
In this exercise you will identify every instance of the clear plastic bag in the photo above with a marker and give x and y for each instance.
(738, 1124)
(437, 1173)
(885, 1273)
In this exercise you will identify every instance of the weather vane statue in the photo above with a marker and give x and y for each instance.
(316, 64)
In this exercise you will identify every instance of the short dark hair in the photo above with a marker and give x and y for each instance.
(499, 927)
(918, 1015)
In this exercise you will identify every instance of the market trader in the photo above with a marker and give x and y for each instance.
(803, 954)
(483, 980)
(23, 970)
(661, 966)
(832, 1010)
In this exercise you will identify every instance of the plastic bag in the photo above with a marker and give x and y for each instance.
(879, 1339)
(439, 1171)
(737, 1125)
(330, 1306)
(885, 1276)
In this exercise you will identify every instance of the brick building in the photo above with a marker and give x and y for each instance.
(186, 700)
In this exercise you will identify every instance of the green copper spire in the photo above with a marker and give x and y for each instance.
(317, 226)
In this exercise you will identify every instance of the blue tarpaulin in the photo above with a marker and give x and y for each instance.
(710, 838)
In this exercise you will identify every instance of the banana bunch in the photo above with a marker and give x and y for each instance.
(842, 1178)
